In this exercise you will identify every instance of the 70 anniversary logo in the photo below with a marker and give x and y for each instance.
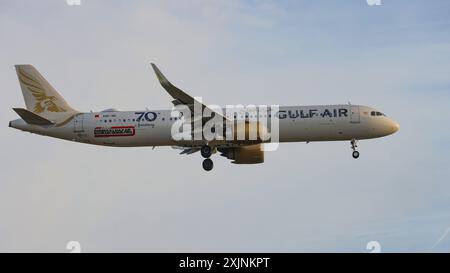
(123, 131)
(148, 116)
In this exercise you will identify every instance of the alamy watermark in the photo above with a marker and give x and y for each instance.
(73, 2)
(249, 124)
(374, 2)
(74, 247)
(374, 247)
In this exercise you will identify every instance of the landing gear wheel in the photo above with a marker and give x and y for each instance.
(206, 151)
(208, 164)
(354, 146)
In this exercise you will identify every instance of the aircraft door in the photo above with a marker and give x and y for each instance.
(78, 124)
(354, 114)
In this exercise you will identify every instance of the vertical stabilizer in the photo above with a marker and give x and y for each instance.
(40, 97)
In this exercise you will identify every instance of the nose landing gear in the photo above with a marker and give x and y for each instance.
(355, 153)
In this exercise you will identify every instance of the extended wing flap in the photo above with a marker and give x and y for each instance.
(190, 151)
(186, 150)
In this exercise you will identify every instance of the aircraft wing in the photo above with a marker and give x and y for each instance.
(181, 97)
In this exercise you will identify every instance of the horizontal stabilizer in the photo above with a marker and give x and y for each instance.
(32, 118)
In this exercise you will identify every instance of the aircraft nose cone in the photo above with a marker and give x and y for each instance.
(394, 126)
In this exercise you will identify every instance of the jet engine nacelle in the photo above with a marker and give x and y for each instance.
(252, 154)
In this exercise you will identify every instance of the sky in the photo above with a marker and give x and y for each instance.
(305, 198)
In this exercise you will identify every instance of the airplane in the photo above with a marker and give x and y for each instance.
(48, 114)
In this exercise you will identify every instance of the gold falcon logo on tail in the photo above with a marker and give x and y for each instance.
(43, 101)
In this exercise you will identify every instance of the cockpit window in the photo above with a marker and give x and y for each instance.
(376, 114)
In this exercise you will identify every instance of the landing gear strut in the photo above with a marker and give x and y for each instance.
(208, 164)
(355, 153)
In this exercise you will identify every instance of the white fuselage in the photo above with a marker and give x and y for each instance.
(154, 128)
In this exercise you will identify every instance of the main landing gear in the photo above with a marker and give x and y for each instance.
(208, 164)
(355, 153)
(206, 152)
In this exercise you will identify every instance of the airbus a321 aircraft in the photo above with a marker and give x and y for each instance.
(48, 114)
